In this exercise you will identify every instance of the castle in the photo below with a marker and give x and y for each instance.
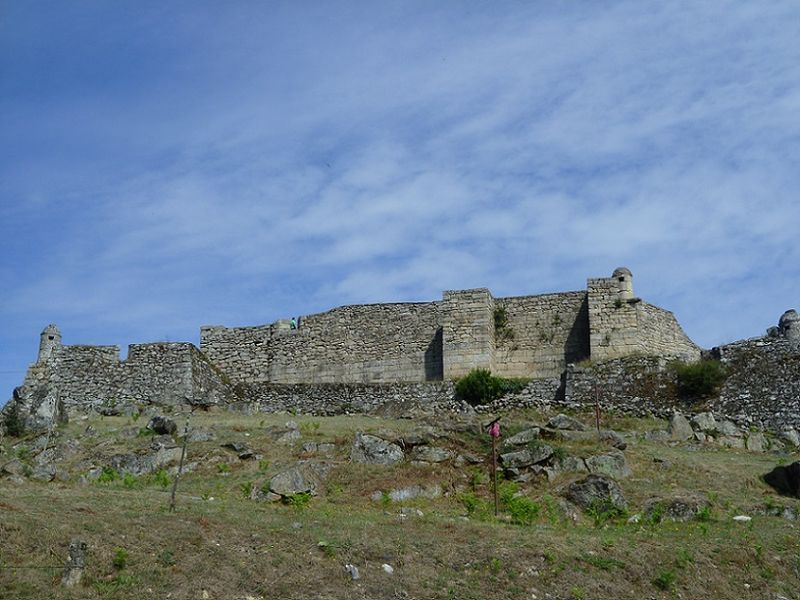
(401, 343)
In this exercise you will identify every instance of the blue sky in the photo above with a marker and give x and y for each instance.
(165, 165)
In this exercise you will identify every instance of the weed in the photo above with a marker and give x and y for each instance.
(665, 579)
(108, 474)
(685, 557)
(522, 509)
(120, 559)
(328, 548)
(246, 488)
(161, 478)
(704, 514)
(23, 453)
(605, 564)
(310, 427)
(167, 558)
(603, 511)
(130, 481)
(577, 593)
(299, 501)
(263, 465)
(559, 453)
(386, 499)
(13, 422)
(223, 468)
(145, 432)
(495, 566)
(477, 478)
(549, 556)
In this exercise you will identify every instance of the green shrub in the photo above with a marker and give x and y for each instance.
(665, 580)
(161, 478)
(699, 379)
(480, 387)
(108, 474)
(130, 481)
(120, 560)
(603, 511)
(300, 500)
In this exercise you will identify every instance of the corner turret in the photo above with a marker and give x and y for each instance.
(48, 342)
(789, 326)
(624, 279)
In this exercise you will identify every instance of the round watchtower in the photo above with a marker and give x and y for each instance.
(789, 325)
(624, 279)
(48, 341)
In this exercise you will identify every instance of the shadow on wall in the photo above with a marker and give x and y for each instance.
(434, 362)
(576, 346)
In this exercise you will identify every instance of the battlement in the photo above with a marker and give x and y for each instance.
(407, 342)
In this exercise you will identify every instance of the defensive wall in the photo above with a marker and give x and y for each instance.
(524, 336)
(397, 345)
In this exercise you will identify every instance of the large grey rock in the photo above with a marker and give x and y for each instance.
(571, 463)
(33, 408)
(604, 435)
(731, 441)
(562, 421)
(789, 325)
(678, 508)
(297, 480)
(596, 490)
(144, 464)
(729, 429)
(13, 467)
(75, 565)
(785, 480)
(526, 457)
(756, 442)
(705, 422)
(44, 473)
(431, 454)
(790, 436)
(679, 427)
(162, 425)
(612, 464)
(409, 493)
(368, 449)
(523, 437)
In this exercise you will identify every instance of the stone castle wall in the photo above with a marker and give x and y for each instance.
(620, 325)
(467, 332)
(371, 343)
(543, 334)
(764, 379)
(94, 378)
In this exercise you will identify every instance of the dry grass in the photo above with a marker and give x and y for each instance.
(232, 548)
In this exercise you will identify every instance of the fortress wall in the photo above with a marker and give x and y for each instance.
(660, 334)
(158, 373)
(370, 343)
(613, 322)
(389, 399)
(543, 334)
(620, 326)
(764, 380)
(467, 331)
(239, 352)
(633, 384)
(86, 375)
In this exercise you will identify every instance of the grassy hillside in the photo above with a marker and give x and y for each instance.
(220, 544)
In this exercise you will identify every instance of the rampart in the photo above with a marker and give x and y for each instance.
(94, 377)
(533, 337)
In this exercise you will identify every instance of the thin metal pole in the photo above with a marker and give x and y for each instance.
(180, 465)
(494, 474)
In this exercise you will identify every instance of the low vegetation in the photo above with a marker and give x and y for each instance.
(220, 544)
(480, 387)
(699, 380)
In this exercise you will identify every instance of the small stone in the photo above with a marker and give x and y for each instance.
(523, 437)
(562, 421)
(387, 568)
(742, 518)
(352, 571)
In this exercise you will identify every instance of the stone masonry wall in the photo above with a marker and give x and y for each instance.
(543, 334)
(622, 326)
(364, 343)
(468, 339)
(394, 399)
(764, 380)
(93, 377)
(661, 334)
